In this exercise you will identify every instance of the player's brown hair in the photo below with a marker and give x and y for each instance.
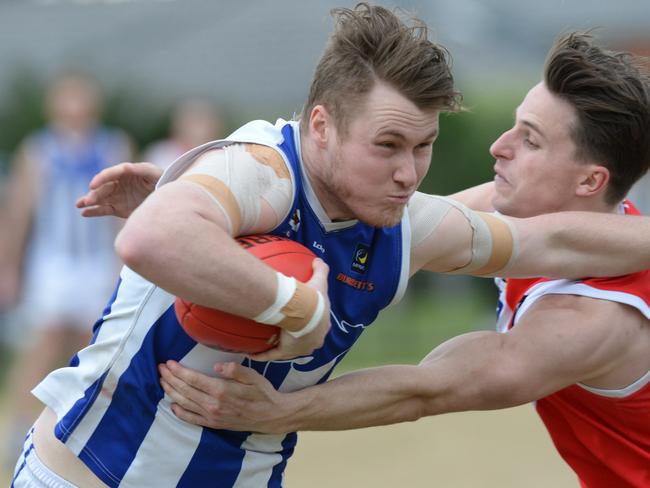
(610, 92)
(370, 44)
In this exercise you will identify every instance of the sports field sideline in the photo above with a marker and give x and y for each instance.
(498, 449)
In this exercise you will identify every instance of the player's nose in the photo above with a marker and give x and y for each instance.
(502, 148)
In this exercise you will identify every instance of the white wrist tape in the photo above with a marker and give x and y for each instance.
(286, 288)
(314, 321)
(295, 305)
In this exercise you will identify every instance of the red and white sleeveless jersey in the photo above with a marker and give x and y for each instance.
(604, 435)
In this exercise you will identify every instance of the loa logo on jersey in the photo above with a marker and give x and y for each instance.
(319, 246)
(361, 258)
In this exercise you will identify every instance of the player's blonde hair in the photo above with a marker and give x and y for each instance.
(370, 44)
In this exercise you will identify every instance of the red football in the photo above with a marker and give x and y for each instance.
(229, 332)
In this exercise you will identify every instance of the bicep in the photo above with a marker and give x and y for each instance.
(558, 342)
(565, 339)
(173, 209)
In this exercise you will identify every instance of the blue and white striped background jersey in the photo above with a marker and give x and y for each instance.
(64, 172)
(112, 411)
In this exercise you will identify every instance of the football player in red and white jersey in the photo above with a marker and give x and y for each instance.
(580, 349)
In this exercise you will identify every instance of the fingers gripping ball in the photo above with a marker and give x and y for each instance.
(229, 332)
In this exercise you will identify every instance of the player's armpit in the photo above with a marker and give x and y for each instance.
(250, 183)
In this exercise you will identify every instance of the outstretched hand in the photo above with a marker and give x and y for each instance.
(119, 190)
(239, 399)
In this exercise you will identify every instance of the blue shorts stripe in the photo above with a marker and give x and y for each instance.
(24, 455)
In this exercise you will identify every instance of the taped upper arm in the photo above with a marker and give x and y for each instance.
(249, 182)
(459, 240)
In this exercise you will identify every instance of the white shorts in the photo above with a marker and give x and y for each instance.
(32, 473)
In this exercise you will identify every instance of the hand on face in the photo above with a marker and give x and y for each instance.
(119, 190)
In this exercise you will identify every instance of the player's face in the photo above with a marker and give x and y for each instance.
(73, 104)
(377, 166)
(536, 166)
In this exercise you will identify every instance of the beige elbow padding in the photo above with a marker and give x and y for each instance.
(494, 242)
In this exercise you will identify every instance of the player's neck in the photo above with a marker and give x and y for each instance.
(315, 166)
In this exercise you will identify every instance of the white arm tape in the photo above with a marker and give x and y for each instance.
(426, 212)
(314, 321)
(286, 288)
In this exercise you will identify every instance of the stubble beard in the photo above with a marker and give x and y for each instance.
(385, 216)
(345, 195)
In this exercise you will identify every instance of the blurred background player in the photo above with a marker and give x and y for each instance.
(193, 122)
(57, 267)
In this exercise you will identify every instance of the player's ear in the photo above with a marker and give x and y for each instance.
(320, 125)
(593, 180)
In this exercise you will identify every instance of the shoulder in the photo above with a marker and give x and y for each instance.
(245, 158)
(632, 289)
(264, 132)
(583, 312)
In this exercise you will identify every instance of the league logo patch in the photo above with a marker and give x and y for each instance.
(361, 258)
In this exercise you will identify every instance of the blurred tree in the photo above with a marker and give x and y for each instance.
(22, 110)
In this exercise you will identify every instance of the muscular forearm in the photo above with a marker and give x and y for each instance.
(461, 374)
(369, 397)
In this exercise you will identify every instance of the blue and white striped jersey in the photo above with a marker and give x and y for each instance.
(113, 413)
(65, 169)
